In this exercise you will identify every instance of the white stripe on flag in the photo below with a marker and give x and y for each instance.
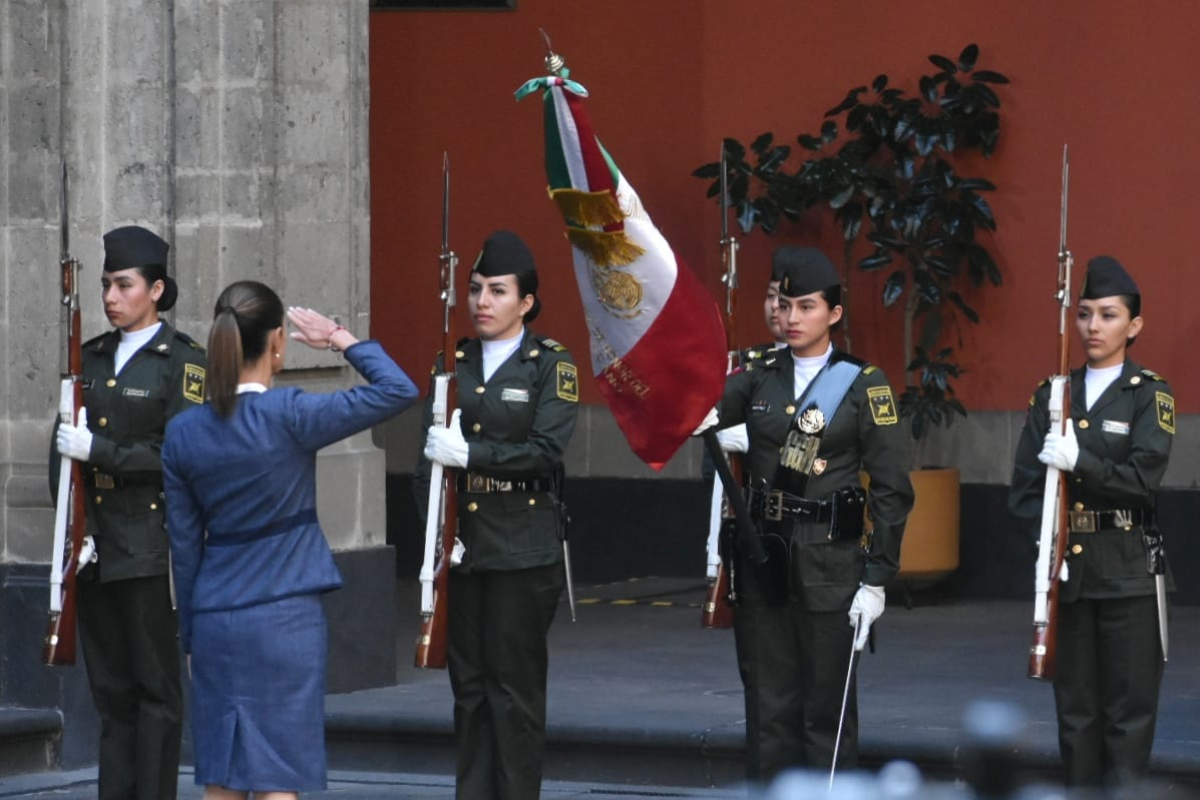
(568, 137)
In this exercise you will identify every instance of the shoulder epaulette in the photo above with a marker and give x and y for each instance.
(189, 341)
(869, 368)
(550, 344)
(94, 340)
(1152, 376)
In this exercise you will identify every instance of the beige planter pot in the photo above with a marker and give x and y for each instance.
(929, 550)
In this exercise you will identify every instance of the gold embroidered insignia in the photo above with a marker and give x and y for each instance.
(1166, 411)
(883, 406)
(568, 382)
(193, 383)
(869, 369)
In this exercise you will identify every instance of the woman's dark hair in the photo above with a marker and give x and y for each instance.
(1134, 303)
(833, 297)
(527, 283)
(243, 318)
(158, 272)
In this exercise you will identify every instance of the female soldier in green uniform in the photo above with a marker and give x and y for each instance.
(136, 377)
(815, 417)
(1109, 654)
(517, 396)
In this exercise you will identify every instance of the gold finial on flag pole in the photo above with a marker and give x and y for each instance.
(554, 62)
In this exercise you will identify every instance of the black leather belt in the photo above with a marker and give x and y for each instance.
(1092, 521)
(474, 483)
(101, 480)
(776, 506)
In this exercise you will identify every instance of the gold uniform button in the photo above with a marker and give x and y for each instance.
(533, 353)
(1077, 549)
(480, 390)
(472, 506)
(532, 502)
(1079, 506)
(99, 500)
(154, 506)
(1083, 424)
(477, 427)
(790, 410)
(459, 354)
(111, 382)
(103, 422)
(1135, 380)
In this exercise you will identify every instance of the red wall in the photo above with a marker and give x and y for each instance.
(668, 79)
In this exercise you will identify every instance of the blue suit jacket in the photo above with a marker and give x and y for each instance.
(242, 493)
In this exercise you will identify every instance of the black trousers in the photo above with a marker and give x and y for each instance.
(497, 658)
(793, 664)
(1106, 684)
(130, 639)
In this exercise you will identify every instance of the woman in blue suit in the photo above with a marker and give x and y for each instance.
(249, 557)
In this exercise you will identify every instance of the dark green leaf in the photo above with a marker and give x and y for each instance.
(968, 57)
(809, 142)
(879, 84)
(894, 287)
(875, 262)
(841, 198)
(708, 171)
(987, 76)
(828, 131)
(734, 150)
(763, 141)
(928, 88)
(977, 184)
(943, 63)
(967, 311)
(850, 101)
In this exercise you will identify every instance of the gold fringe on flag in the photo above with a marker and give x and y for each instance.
(606, 249)
(587, 208)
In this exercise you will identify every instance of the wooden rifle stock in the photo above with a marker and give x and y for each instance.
(1055, 530)
(717, 611)
(433, 638)
(58, 647)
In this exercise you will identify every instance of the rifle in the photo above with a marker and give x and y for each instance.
(1052, 543)
(72, 549)
(441, 519)
(717, 611)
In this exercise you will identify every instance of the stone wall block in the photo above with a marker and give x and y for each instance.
(241, 202)
(136, 39)
(197, 193)
(243, 125)
(315, 194)
(312, 45)
(198, 272)
(32, 179)
(34, 41)
(32, 370)
(248, 28)
(197, 38)
(34, 276)
(351, 498)
(197, 128)
(314, 127)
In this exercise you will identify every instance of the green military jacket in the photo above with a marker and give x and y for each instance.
(1124, 443)
(865, 434)
(127, 415)
(517, 425)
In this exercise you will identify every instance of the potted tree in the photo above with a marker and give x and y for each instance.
(885, 164)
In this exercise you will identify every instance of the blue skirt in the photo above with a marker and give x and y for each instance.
(258, 696)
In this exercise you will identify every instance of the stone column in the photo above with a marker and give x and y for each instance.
(237, 129)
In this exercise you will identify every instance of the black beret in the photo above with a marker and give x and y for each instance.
(803, 270)
(1107, 278)
(133, 246)
(504, 253)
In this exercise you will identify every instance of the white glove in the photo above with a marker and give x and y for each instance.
(710, 420)
(735, 439)
(75, 441)
(866, 608)
(1059, 450)
(446, 445)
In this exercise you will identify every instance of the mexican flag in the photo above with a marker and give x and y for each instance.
(658, 346)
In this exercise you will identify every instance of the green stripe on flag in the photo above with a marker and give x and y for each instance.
(556, 161)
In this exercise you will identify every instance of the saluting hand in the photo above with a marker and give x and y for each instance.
(318, 331)
(75, 441)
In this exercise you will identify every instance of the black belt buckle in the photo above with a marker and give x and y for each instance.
(773, 505)
(478, 484)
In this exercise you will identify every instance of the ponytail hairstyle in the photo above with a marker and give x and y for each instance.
(243, 318)
(527, 284)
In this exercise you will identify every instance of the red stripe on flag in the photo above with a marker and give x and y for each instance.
(675, 373)
(599, 176)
